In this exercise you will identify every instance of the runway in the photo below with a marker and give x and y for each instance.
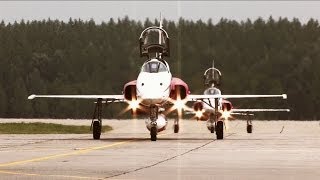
(275, 150)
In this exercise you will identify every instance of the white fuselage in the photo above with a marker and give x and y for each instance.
(153, 88)
(209, 104)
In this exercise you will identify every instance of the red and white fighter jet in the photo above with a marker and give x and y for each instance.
(220, 109)
(155, 92)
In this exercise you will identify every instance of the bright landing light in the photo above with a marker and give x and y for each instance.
(199, 114)
(179, 104)
(226, 114)
(134, 104)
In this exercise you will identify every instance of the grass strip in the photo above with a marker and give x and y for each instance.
(46, 128)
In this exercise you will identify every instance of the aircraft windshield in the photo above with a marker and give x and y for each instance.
(212, 91)
(154, 67)
(154, 41)
(152, 37)
(212, 76)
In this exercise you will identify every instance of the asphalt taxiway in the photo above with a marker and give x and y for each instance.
(275, 150)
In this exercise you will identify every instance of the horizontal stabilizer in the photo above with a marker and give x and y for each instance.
(192, 97)
(242, 114)
(105, 97)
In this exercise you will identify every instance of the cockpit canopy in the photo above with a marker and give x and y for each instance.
(154, 67)
(212, 91)
(212, 76)
(154, 40)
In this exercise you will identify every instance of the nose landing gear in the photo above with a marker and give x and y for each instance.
(212, 123)
(219, 123)
(153, 117)
(153, 133)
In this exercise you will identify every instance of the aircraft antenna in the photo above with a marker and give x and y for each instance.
(160, 27)
(213, 72)
(160, 35)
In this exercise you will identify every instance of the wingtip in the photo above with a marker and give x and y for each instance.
(32, 96)
(284, 96)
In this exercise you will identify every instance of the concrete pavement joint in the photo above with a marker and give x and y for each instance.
(82, 151)
(165, 160)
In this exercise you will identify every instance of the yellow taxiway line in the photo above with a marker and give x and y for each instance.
(46, 175)
(82, 151)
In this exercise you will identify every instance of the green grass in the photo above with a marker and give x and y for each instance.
(45, 128)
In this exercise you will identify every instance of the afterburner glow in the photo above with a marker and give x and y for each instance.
(179, 104)
(226, 114)
(134, 104)
(199, 114)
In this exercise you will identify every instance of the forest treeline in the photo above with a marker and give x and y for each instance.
(82, 57)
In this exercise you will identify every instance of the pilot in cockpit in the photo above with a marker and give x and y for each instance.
(154, 37)
(154, 67)
(154, 42)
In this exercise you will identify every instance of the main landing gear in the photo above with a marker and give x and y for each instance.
(249, 124)
(215, 124)
(153, 117)
(96, 124)
(176, 126)
(219, 129)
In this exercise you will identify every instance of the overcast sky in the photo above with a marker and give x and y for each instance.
(172, 10)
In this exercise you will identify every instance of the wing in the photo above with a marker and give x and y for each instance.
(193, 97)
(242, 114)
(249, 112)
(103, 97)
(258, 110)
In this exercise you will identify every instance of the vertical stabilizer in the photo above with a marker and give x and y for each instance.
(213, 71)
(160, 21)
(160, 25)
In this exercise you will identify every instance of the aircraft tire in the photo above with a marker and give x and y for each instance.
(219, 130)
(96, 130)
(153, 133)
(176, 128)
(249, 128)
(212, 129)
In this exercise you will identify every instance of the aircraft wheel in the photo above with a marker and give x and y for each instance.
(96, 130)
(219, 130)
(212, 129)
(249, 128)
(153, 133)
(176, 128)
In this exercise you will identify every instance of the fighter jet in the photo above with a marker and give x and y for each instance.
(217, 110)
(155, 92)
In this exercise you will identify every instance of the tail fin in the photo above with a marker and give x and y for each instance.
(160, 21)
(213, 69)
(160, 38)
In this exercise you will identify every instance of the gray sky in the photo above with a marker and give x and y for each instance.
(172, 10)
